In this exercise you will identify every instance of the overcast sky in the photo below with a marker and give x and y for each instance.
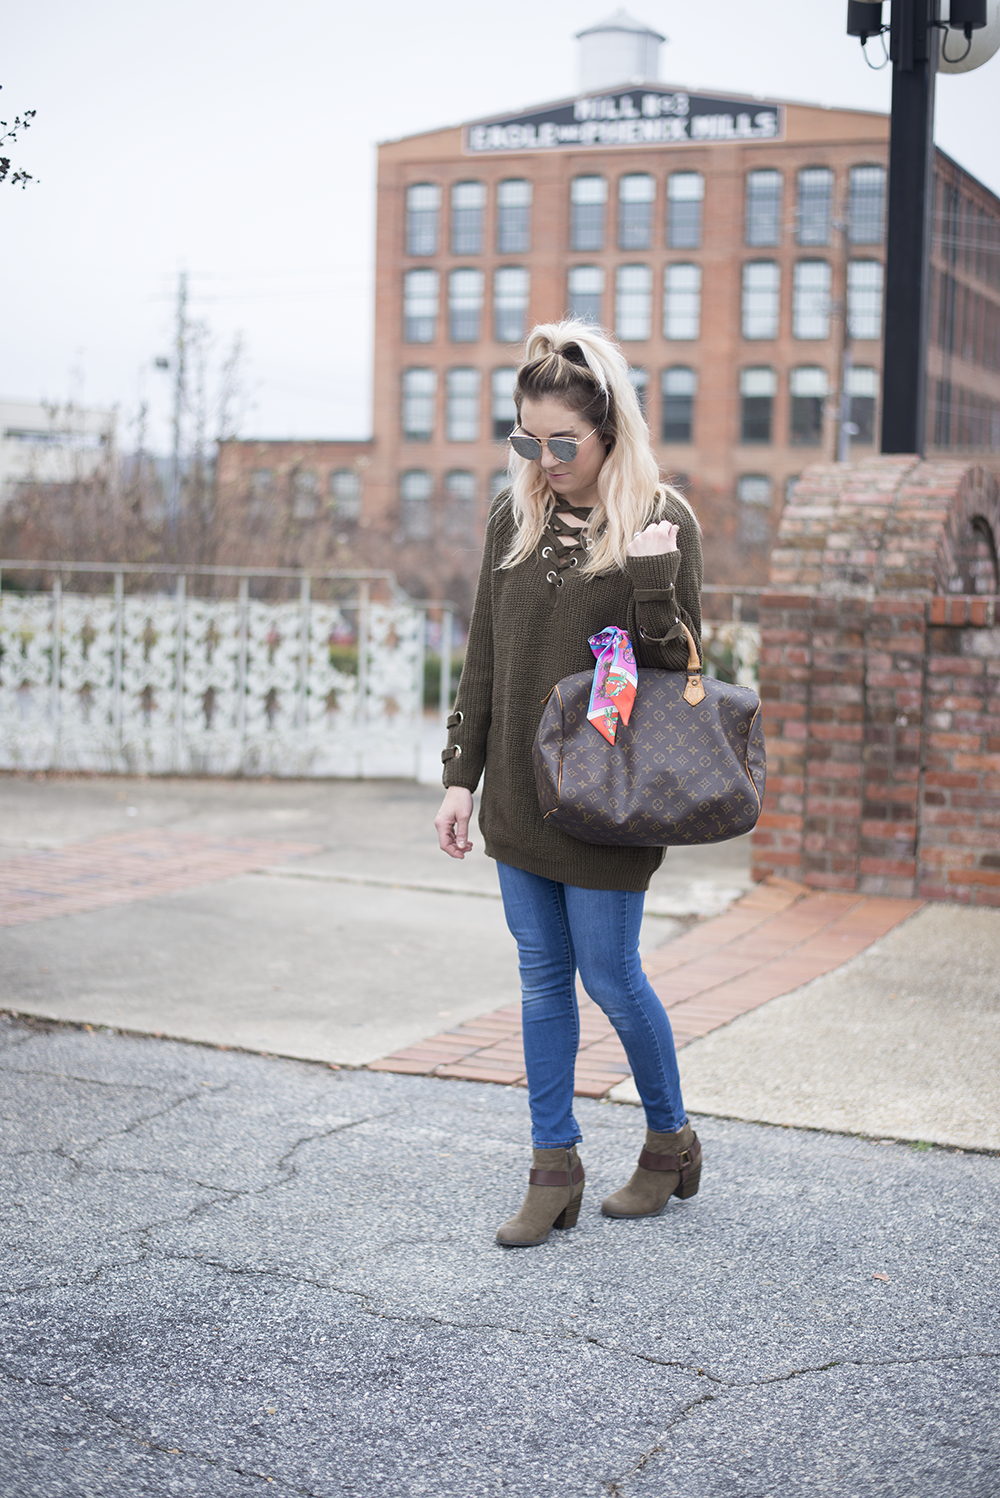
(237, 141)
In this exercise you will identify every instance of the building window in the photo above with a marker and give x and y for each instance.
(468, 200)
(682, 301)
(462, 421)
(460, 503)
(809, 387)
(815, 207)
(420, 305)
(419, 389)
(305, 494)
(345, 493)
(639, 380)
(757, 391)
(763, 221)
(753, 493)
(811, 299)
(864, 299)
(679, 386)
(510, 304)
(589, 195)
(465, 305)
(862, 389)
(503, 412)
(415, 489)
(513, 217)
(423, 212)
(586, 289)
(633, 301)
(685, 191)
(761, 299)
(866, 205)
(636, 195)
(499, 481)
(261, 492)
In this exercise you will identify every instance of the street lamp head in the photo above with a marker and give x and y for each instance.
(864, 18)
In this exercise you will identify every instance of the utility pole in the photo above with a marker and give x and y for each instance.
(180, 376)
(913, 46)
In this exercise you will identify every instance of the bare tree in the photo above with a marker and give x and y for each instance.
(10, 133)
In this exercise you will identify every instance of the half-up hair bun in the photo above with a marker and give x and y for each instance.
(582, 368)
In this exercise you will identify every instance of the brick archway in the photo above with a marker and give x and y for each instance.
(880, 682)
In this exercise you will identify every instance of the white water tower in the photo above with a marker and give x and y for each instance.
(619, 50)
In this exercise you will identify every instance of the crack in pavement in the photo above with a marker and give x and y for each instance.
(729, 1386)
(72, 1397)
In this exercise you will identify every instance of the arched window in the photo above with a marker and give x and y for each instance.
(679, 386)
(586, 291)
(757, 391)
(423, 212)
(468, 200)
(763, 211)
(420, 305)
(810, 386)
(636, 196)
(866, 205)
(415, 489)
(465, 305)
(815, 205)
(862, 389)
(514, 217)
(419, 389)
(510, 303)
(633, 302)
(811, 299)
(589, 196)
(345, 493)
(503, 412)
(864, 298)
(682, 301)
(685, 191)
(754, 492)
(462, 418)
(761, 298)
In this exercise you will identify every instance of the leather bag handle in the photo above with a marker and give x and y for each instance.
(694, 692)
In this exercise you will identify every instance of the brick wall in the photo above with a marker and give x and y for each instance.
(880, 683)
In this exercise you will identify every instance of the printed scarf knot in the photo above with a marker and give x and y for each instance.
(615, 681)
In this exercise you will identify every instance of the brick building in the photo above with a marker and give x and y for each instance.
(719, 237)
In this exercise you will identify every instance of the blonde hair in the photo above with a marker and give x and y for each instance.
(583, 368)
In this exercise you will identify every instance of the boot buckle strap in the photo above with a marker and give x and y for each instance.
(681, 1163)
(556, 1177)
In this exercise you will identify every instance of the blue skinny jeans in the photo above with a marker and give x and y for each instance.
(561, 929)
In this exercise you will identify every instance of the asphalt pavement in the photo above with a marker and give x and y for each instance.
(227, 1273)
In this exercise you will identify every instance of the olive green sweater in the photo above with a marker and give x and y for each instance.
(528, 632)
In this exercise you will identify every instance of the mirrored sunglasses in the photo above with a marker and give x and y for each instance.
(563, 449)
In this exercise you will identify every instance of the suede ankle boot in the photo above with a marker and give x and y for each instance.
(555, 1190)
(670, 1165)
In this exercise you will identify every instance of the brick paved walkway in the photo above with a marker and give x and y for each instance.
(126, 866)
(776, 938)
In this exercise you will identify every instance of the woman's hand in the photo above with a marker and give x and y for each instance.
(452, 821)
(653, 541)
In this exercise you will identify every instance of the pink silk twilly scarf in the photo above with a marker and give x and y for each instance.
(615, 681)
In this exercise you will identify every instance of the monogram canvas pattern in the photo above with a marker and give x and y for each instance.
(677, 775)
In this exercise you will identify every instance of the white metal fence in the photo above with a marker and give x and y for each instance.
(176, 683)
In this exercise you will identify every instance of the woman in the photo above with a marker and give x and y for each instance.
(586, 537)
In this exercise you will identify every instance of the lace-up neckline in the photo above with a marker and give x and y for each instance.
(563, 545)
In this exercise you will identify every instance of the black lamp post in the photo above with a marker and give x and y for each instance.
(913, 50)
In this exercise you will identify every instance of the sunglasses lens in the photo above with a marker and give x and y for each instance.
(527, 447)
(563, 448)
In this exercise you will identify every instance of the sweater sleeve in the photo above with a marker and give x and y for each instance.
(667, 588)
(469, 723)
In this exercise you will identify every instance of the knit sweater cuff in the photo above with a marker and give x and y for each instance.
(654, 577)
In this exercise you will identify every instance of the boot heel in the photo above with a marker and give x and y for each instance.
(568, 1216)
(689, 1187)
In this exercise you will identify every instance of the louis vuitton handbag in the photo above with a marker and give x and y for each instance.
(636, 757)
